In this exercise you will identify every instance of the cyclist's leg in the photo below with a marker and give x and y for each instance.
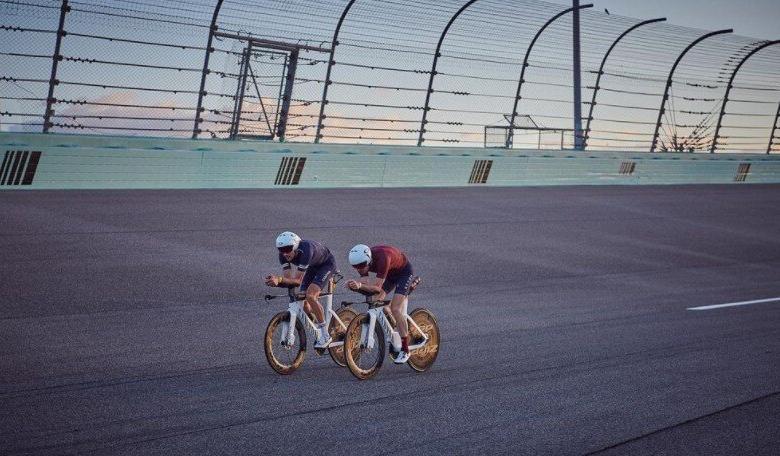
(306, 287)
(402, 281)
(312, 305)
(312, 302)
(397, 307)
(317, 280)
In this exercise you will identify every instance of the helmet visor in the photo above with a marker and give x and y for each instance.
(286, 249)
(360, 265)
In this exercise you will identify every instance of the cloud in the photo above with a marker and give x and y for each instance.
(124, 112)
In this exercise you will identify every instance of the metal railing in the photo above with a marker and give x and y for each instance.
(408, 72)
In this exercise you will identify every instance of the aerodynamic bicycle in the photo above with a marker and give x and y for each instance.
(370, 333)
(288, 331)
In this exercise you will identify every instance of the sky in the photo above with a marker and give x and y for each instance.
(752, 18)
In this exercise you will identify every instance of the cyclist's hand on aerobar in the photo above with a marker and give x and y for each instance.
(272, 281)
(353, 285)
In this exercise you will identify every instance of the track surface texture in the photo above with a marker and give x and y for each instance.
(132, 322)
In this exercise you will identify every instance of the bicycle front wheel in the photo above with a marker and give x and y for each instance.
(423, 358)
(337, 332)
(284, 358)
(364, 363)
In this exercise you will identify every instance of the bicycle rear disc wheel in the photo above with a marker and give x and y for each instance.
(362, 362)
(337, 332)
(423, 358)
(284, 359)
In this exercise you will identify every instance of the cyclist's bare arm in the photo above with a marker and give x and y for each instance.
(291, 278)
(367, 284)
(288, 278)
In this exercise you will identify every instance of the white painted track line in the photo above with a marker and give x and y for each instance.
(734, 304)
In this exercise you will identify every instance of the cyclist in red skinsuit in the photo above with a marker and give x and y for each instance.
(393, 272)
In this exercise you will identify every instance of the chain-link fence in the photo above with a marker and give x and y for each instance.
(404, 72)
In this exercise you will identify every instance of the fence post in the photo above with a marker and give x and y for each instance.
(510, 136)
(728, 91)
(601, 72)
(209, 50)
(64, 9)
(331, 62)
(436, 56)
(669, 81)
(774, 129)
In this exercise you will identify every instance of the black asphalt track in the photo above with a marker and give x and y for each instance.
(131, 322)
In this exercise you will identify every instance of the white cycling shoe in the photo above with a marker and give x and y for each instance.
(323, 341)
(402, 357)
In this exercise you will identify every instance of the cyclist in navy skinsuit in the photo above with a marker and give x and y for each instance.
(315, 265)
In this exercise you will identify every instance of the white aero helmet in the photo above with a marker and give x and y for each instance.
(360, 253)
(288, 239)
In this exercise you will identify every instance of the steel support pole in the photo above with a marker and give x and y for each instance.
(64, 10)
(288, 91)
(436, 56)
(510, 136)
(331, 62)
(669, 81)
(728, 91)
(577, 79)
(281, 89)
(601, 72)
(238, 103)
(209, 49)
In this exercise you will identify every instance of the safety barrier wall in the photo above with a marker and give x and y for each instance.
(38, 161)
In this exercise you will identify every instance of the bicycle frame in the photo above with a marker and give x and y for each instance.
(377, 314)
(297, 312)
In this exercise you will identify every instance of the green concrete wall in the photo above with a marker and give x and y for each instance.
(103, 162)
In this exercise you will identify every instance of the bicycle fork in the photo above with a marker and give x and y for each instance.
(367, 333)
(288, 327)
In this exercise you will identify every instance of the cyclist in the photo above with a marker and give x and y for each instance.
(315, 264)
(393, 271)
